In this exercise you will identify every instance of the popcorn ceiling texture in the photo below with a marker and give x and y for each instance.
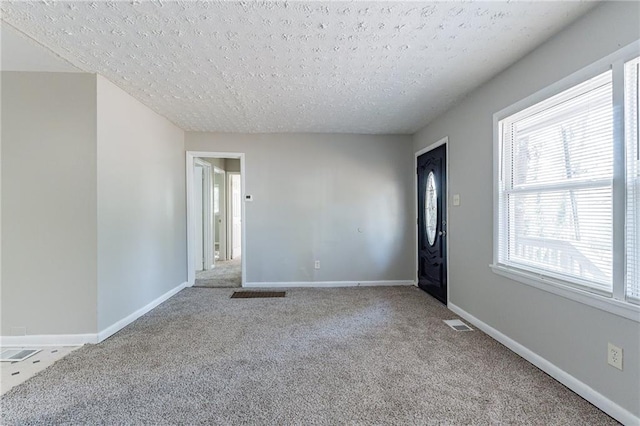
(344, 67)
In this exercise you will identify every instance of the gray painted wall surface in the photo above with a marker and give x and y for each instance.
(232, 165)
(141, 205)
(48, 202)
(22, 53)
(311, 194)
(571, 335)
(218, 162)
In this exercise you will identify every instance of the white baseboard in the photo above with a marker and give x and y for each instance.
(619, 413)
(119, 325)
(48, 340)
(81, 339)
(307, 284)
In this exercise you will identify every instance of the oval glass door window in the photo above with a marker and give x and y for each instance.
(431, 208)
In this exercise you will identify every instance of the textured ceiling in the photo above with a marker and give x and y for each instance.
(347, 67)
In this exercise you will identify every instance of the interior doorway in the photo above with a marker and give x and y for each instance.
(215, 212)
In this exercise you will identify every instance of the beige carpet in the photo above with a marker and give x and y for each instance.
(227, 273)
(355, 356)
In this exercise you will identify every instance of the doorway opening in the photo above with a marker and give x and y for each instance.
(215, 216)
(432, 220)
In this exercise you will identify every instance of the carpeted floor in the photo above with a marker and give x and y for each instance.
(227, 273)
(377, 355)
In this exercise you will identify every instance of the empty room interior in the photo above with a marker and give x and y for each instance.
(320, 212)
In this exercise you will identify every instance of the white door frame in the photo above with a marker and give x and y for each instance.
(207, 228)
(221, 206)
(190, 159)
(443, 141)
(229, 215)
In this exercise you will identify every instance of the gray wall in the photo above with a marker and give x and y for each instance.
(232, 165)
(22, 53)
(571, 335)
(141, 205)
(48, 203)
(218, 162)
(311, 194)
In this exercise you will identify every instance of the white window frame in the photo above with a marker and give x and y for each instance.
(617, 304)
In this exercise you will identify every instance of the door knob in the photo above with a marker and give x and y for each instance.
(442, 233)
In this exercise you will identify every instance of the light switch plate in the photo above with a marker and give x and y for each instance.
(456, 199)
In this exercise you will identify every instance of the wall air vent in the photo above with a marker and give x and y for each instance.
(458, 325)
(15, 355)
(257, 294)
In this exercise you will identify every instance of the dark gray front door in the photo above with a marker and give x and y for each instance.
(432, 225)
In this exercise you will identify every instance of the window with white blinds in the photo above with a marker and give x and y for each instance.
(631, 89)
(556, 186)
(567, 207)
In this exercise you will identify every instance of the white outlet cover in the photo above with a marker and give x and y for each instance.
(456, 199)
(614, 356)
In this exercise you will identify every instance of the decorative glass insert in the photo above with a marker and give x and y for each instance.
(431, 208)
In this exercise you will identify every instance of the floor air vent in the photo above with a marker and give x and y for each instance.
(458, 325)
(16, 355)
(257, 294)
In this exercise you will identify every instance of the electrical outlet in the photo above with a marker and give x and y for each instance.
(614, 356)
(317, 265)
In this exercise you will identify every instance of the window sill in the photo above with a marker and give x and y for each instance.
(616, 307)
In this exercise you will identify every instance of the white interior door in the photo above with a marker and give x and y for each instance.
(236, 216)
(219, 214)
(198, 188)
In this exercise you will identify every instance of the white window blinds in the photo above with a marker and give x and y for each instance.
(555, 189)
(631, 88)
(564, 208)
